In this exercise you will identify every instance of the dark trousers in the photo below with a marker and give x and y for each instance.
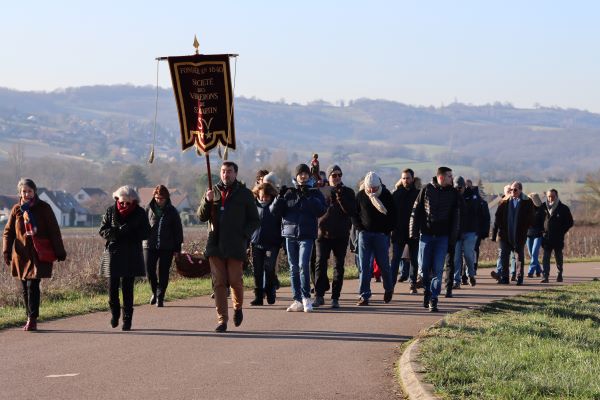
(325, 247)
(413, 252)
(449, 269)
(505, 249)
(263, 262)
(477, 244)
(558, 257)
(159, 283)
(126, 284)
(313, 265)
(31, 297)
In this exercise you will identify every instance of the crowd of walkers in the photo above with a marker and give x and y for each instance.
(430, 229)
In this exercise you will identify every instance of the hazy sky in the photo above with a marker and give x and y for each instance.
(416, 52)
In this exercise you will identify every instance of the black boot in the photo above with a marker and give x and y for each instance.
(559, 278)
(127, 317)
(153, 299)
(426, 299)
(160, 300)
(433, 305)
(271, 296)
(258, 298)
(115, 310)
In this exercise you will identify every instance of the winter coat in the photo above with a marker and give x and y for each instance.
(404, 200)
(437, 212)
(524, 220)
(124, 238)
(537, 228)
(268, 233)
(484, 222)
(19, 247)
(557, 225)
(471, 217)
(336, 223)
(368, 218)
(166, 232)
(234, 218)
(300, 208)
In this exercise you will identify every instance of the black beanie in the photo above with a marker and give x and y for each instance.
(300, 168)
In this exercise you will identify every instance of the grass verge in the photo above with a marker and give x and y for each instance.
(539, 345)
(68, 303)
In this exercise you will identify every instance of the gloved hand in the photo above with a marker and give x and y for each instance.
(7, 259)
(304, 190)
(61, 257)
(283, 190)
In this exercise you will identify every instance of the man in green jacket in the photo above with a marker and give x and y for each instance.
(230, 209)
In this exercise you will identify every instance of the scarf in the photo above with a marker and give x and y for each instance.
(372, 180)
(158, 211)
(124, 211)
(553, 207)
(30, 222)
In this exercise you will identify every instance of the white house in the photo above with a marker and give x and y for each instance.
(86, 194)
(67, 210)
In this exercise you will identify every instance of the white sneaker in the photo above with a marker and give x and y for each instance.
(307, 304)
(295, 306)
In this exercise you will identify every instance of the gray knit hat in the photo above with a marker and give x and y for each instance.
(332, 168)
(300, 168)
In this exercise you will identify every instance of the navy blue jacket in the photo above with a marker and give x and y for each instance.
(268, 234)
(300, 209)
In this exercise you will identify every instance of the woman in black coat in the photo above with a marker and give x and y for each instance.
(166, 236)
(124, 226)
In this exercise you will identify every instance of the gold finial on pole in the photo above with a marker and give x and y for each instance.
(196, 44)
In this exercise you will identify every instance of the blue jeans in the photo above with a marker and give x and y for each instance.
(513, 264)
(374, 244)
(465, 245)
(432, 253)
(533, 246)
(299, 252)
(406, 268)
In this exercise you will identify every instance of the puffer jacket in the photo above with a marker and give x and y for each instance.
(300, 207)
(436, 212)
(166, 232)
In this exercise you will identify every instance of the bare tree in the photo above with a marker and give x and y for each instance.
(16, 157)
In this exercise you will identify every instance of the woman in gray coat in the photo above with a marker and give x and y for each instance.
(124, 226)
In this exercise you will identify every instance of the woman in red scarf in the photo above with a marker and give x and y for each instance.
(124, 226)
(31, 219)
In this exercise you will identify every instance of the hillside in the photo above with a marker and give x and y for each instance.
(114, 124)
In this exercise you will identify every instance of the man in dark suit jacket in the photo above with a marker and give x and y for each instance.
(514, 216)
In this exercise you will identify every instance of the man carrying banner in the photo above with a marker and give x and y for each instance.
(230, 208)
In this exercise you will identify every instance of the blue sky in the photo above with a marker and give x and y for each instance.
(416, 52)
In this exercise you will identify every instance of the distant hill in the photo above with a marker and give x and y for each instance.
(115, 123)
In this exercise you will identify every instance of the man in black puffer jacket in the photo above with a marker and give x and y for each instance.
(334, 232)
(435, 220)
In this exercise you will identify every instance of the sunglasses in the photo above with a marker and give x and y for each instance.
(513, 190)
(336, 175)
(124, 203)
(159, 198)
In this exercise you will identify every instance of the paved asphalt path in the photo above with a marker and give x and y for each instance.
(173, 353)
